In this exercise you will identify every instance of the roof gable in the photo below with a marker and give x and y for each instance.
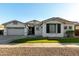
(33, 22)
(12, 22)
(58, 19)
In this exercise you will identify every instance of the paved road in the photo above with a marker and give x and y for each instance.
(6, 39)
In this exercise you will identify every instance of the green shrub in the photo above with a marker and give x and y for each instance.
(70, 33)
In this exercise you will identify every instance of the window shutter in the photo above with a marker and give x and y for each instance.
(47, 28)
(59, 28)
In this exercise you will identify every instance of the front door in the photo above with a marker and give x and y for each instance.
(31, 31)
(1, 32)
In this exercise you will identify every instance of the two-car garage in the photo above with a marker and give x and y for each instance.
(14, 28)
(15, 31)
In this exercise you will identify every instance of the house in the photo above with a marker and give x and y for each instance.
(1, 29)
(52, 27)
(77, 29)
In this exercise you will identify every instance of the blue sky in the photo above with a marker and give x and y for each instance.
(38, 11)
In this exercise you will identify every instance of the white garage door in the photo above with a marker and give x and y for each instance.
(15, 31)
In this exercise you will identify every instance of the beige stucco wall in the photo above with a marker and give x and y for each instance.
(5, 31)
(38, 32)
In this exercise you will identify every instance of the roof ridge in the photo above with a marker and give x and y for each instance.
(12, 21)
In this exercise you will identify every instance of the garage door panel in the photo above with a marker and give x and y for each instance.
(15, 31)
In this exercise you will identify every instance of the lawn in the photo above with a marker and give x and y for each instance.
(46, 40)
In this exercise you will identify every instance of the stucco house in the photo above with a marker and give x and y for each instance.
(52, 27)
(1, 29)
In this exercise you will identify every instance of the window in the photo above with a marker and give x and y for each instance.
(70, 27)
(53, 28)
(59, 28)
(47, 28)
(65, 27)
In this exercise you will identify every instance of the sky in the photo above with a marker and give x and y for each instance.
(38, 11)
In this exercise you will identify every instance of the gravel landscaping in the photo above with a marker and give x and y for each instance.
(39, 51)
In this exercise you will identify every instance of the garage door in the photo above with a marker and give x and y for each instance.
(15, 31)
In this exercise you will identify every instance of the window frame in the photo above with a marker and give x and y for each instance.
(56, 28)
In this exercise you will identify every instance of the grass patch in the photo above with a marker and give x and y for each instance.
(46, 40)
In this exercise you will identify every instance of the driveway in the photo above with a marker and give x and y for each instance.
(6, 39)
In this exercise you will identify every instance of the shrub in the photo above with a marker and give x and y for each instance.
(70, 33)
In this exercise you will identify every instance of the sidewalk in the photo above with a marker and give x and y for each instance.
(41, 45)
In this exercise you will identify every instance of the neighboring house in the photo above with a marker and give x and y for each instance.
(52, 27)
(1, 29)
(77, 29)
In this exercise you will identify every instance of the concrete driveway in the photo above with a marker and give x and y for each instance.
(7, 39)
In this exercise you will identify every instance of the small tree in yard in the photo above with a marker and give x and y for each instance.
(70, 33)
